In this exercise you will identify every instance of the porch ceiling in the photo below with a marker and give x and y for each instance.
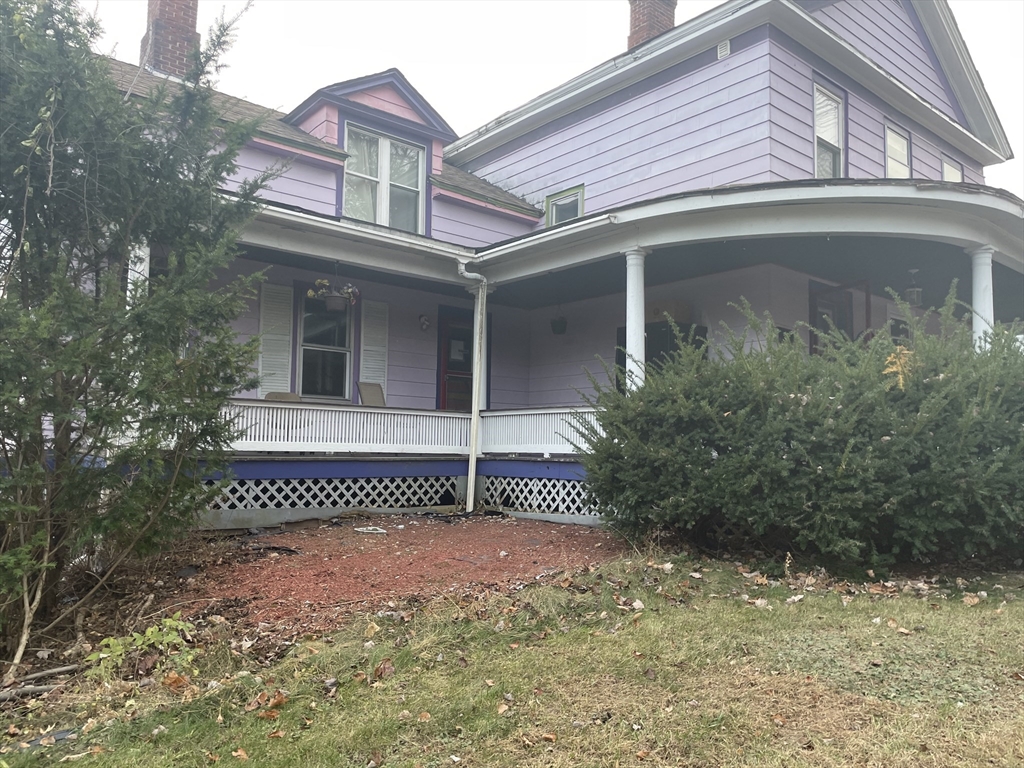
(884, 262)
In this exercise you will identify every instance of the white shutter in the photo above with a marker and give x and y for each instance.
(373, 345)
(275, 338)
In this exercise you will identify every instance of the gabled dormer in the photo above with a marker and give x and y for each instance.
(394, 140)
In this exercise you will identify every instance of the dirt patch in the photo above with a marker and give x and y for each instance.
(337, 570)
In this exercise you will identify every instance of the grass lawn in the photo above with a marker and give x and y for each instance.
(631, 664)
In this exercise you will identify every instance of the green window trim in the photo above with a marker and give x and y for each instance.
(558, 207)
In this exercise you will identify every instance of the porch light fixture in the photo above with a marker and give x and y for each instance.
(424, 322)
(559, 325)
(913, 294)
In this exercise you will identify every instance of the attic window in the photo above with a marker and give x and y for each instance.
(383, 181)
(724, 49)
(564, 206)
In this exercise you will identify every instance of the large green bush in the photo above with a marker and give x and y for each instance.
(872, 452)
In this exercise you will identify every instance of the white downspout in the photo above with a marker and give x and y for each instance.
(479, 334)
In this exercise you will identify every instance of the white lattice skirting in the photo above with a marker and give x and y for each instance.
(537, 494)
(339, 493)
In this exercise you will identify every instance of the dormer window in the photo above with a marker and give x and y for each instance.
(383, 180)
(828, 136)
(564, 206)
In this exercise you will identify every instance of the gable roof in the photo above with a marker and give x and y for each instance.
(985, 139)
(140, 80)
(458, 180)
(430, 120)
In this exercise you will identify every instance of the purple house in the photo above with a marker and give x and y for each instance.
(805, 155)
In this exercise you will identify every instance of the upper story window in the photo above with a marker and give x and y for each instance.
(383, 181)
(326, 350)
(897, 154)
(564, 206)
(952, 170)
(828, 135)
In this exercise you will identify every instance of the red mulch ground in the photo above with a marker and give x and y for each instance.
(339, 571)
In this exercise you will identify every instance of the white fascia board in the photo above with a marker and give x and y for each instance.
(686, 40)
(955, 59)
(818, 39)
(961, 217)
(360, 245)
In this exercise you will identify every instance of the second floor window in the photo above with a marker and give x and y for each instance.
(828, 138)
(383, 181)
(564, 206)
(897, 154)
(952, 171)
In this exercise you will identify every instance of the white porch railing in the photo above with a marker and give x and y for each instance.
(534, 430)
(278, 426)
(287, 427)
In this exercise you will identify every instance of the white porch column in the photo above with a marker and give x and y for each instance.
(982, 301)
(479, 401)
(635, 307)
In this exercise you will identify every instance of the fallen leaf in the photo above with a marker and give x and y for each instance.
(513, 646)
(175, 682)
(371, 630)
(549, 737)
(384, 669)
(212, 757)
(240, 754)
(359, 677)
(268, 714)
(489, 683)
(696, 575)
(650, 673)
(258, 702)
(904, 631)
(892, 623)
(278, 734)
(502, 709)
(778, 720)
(794, 599)
(643, 754)
(424, 717)
(971, 600)
(278, 701)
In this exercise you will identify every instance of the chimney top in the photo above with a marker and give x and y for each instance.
(648, 19)
(171, 36)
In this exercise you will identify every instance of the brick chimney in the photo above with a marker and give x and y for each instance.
(648, 19)
(171, 36)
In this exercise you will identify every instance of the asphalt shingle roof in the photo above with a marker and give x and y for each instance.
(458, 180)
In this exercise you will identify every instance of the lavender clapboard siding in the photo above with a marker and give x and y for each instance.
(473, 227)
(884, 32)
(793, 74)
(708, 127)
(301, 184)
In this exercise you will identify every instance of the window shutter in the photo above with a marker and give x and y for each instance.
(275, 338)
(373, 346)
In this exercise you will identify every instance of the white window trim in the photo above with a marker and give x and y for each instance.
(562, 197)
(905, 135)
(347, 349)
(841, 124)
(383, 179)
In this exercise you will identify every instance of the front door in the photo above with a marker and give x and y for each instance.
(456, 361)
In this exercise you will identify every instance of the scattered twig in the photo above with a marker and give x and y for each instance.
(49, 673)
(28, 690)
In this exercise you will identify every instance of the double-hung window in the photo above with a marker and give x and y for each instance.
(326, 350)
(951, 170)
(383, 180)
(897, 154)
(828, 136)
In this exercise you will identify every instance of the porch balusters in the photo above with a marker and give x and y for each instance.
(982, 301)
(635, 310)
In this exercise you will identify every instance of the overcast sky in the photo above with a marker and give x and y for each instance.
(475, 59)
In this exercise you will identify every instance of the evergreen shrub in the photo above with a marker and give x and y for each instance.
(873, 452)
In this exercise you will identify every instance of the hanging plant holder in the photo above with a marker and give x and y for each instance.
(335, 298)
(559, 325)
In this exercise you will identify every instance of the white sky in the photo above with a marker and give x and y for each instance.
(475, 59)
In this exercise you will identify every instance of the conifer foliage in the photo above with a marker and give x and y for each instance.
(116, 352)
